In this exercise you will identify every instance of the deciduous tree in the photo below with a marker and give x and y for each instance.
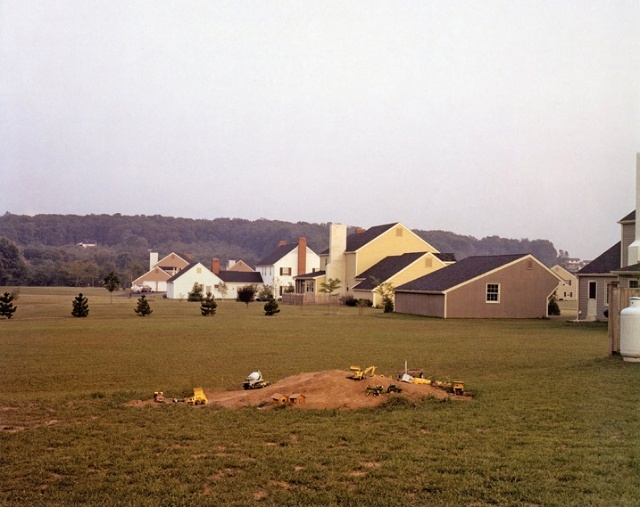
(111, 282)
(247, 293)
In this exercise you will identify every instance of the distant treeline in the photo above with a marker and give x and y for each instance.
(48, 251)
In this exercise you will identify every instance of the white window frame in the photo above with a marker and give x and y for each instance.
(496, 294)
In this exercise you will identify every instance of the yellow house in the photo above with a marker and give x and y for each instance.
(378, 254)
(397, 270)
(568, 287)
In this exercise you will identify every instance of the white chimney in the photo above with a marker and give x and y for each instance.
(634, 248)
(153, 260)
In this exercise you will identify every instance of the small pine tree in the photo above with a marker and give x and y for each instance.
(208, 305)
(80, 306)
(271, 307)
(553, 308)
(7, 307)
(196, 293)
(143, 309)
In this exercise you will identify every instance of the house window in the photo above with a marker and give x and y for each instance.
(285, 271)
(199, 270)
(592, 290)
(399, 231)
(428, 262)
(633, 284)
(529, 263)
(493, 293)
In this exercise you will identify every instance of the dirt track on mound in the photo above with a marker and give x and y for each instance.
(332, 389)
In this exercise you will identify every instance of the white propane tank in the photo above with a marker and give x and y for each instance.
(630, 331)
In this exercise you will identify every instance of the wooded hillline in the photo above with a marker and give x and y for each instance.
(126, 240)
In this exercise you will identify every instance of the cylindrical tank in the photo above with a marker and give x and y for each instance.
(630, 331)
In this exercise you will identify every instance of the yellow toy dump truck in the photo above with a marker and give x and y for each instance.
(198, 397)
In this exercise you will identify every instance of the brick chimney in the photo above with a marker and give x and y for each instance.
(215, 266)
(360, 230)
(282, 243)
(302, 256)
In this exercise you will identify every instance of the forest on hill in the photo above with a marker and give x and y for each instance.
(44, 249)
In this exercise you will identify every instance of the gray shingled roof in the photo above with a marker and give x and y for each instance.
(276, 255)
(240, 276)
(631, 217)
(385, 269)
(357, 240)
(605, 262)
(462, 271)
(446, 257)
(309, 276)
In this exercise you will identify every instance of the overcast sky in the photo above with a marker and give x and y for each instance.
(512, 118)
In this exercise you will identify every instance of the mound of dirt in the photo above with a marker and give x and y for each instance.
(332, 389)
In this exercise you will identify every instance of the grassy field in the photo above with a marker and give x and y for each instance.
(555, 419)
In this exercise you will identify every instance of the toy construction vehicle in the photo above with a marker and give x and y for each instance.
(394, 389)
(375, 390)
(255, 381)
(198, 397)
(359, 373)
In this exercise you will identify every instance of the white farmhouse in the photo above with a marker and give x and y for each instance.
(287, 261)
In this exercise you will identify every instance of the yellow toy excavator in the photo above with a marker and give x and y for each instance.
(359, 373)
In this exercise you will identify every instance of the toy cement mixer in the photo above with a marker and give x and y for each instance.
(255, 381)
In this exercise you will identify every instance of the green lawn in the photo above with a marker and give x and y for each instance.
(555, 420)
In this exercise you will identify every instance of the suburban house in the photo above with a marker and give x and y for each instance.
(233, 279)
(233, 265)
(180, 284)
(280, 267)
(568, 288)
(619, 266)
(482, 287)
(377, 254)
(211, 279)
(161, 270)
(397, 270)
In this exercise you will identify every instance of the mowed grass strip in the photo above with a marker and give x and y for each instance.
(555, 420)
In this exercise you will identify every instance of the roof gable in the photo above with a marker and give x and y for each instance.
(169, 261)
(187, 269)
(460, 272)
